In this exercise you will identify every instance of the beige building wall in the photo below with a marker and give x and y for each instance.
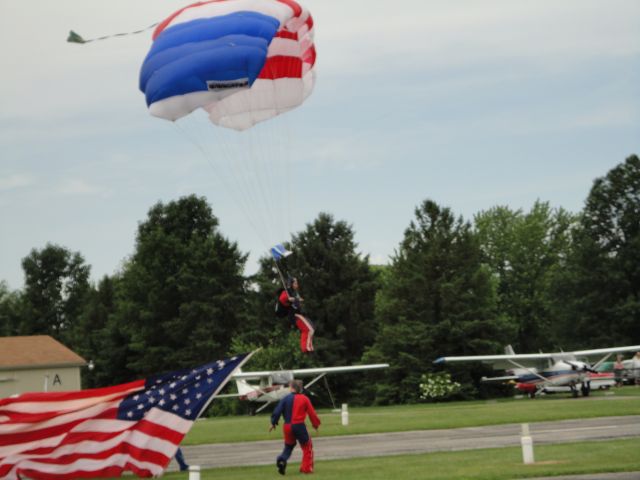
(53, 379)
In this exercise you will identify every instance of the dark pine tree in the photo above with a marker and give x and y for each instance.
(598, 295)
(437, 299)
(181, 296)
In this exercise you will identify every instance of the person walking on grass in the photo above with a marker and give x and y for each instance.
(294, 408)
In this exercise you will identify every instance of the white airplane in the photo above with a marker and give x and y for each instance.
(535, 372)
(272, 385)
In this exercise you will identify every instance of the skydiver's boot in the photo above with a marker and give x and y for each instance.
(282, 466)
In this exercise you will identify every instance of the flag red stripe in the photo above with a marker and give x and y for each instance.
(50, 421)
(113, 471)
(150, 430)
(147, 428)
(132, 451)
(33, 435)
(135, 452)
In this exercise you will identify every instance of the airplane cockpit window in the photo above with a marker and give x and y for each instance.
(282, 378)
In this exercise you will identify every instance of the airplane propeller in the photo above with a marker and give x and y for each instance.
(583, 367)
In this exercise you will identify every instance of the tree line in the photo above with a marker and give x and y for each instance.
(543, 279)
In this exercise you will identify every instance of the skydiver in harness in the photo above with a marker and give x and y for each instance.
(290, 305)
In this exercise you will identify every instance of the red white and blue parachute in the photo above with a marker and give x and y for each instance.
(243, 61)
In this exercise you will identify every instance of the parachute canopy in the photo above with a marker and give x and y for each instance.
(243, 61)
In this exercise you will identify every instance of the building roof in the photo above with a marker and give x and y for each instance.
(36, 351)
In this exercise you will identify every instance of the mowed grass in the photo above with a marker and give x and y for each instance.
(485, 464)
(426, 417)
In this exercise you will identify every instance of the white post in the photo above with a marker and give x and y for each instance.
(527, 445)
(194, 472)
(345, 415)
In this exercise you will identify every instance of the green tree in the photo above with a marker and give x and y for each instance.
(11, 305)
(525, 252)
(181, 296)
(94, 337)
(56, 285)
(437, 299)
(599, 293)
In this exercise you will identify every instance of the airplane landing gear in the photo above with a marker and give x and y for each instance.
(574, 391)
(585, 389)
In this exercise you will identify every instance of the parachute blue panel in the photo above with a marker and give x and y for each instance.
(206, 54)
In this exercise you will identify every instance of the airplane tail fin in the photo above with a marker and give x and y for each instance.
(508, 350)
(244, 389)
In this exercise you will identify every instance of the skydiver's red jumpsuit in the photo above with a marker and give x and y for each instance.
(303, 323)
(294, 408)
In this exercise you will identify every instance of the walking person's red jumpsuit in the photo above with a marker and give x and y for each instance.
(294, 408)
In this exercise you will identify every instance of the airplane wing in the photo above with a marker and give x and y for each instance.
(590, 354)
(535, 360)
(228, 395)
(508, 362)
(506, 378)
(308, 372)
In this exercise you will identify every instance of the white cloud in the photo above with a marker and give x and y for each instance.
(16, 180)
(77, 186)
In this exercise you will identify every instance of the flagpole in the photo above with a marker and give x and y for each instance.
(275, 250)
(284, 285)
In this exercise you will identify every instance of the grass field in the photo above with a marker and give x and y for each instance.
(625, 401)
(486, 464)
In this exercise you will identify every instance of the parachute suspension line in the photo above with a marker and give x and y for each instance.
(75, 38)
(244, 164)
(257, 166)
(283, 150)
(218, 170)
(263, 149)
(280, 167)
(266, 151)
(256, 158)
(231, 157)
(201, 147)
(234, 156)
(284, 284)
(256, 163)
(288, 167)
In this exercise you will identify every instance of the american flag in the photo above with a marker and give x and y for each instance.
(104, 432)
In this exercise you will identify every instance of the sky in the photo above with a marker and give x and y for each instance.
(470, 104)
